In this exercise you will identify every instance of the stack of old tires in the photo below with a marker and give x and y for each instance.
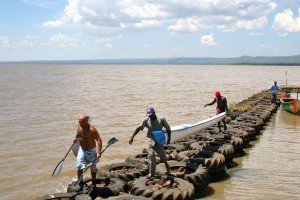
(194, 161)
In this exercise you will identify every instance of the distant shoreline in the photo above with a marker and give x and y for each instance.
(246, 64)
(243, 60)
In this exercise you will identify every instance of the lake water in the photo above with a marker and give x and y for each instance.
(40, 106)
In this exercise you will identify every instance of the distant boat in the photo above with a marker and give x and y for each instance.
(289, 103)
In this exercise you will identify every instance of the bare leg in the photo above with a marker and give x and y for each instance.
(167, 167)
(79, 173)
(79, 188)
(93, 175)
(225, 127)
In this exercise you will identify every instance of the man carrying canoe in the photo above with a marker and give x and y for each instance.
(88, 137)
(221, 107)
(154, 125)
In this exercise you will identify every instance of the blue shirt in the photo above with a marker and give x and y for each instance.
(274, 88)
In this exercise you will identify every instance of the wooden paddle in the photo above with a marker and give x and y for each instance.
(110, 142)
(59, 166)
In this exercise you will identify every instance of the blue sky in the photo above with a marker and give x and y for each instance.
(107, 29)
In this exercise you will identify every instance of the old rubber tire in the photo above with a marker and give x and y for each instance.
(195, 174)
(213, 161)
(236, 142)
(113, 187)
(224, 148)
(108, 171)
(57, 196)
(127, 197)
(141, 158)
(251, 131)
(184, 190)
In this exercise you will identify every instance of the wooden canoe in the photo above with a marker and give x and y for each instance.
(289, 103)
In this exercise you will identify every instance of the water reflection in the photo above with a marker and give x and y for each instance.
(289, 118)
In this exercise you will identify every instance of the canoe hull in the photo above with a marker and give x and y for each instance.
(180, 132)
(290, 104)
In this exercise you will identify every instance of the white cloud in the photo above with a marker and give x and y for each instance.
(185, 25)
(63, 41)
(53, 24)
(208, 40)
(285, 22)
(105, 41)
(177, 15)
(4, 42)
(25, 43)
(147, 24)
(143, 9)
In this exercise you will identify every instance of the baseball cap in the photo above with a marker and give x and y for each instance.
(217, 93)
(150, 111)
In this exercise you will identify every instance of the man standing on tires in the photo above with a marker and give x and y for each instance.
(154, 124)
(273, 88)
(90, 147)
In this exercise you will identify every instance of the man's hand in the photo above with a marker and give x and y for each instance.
(75, 140)
(130, 141)
(98, 155)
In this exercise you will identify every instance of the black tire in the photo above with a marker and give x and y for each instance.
(251, 131)
(184, 190)
(138, 170)
(58, 196)
(224, 148)
(236, 142)
(83, 197)
(245, 124)
(169, 148)
(141, 158)
(128, 197)
(186, 142)
(244, 135)
(251, 118)
(213, 161)
(195, 174)
(264, 115)
(112, 187)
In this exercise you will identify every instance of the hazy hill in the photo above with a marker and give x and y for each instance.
(260, 60)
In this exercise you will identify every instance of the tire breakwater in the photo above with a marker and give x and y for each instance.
(194, 161)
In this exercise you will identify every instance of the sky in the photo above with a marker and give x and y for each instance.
(116, 29)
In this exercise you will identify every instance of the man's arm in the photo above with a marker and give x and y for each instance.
(226, 106)
(99, 142)
(76, 136)
(168, 129)
(134, 134)
(211, 103)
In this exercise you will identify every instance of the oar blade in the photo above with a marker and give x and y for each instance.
(58, 168)
(112, 141)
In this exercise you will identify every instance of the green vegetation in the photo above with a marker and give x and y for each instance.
(242, 106)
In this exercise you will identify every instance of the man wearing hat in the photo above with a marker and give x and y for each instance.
(221, 107)
(154, 124)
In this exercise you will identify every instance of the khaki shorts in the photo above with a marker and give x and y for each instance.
(158, 148)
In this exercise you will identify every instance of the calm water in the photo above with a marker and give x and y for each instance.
(40, 105)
